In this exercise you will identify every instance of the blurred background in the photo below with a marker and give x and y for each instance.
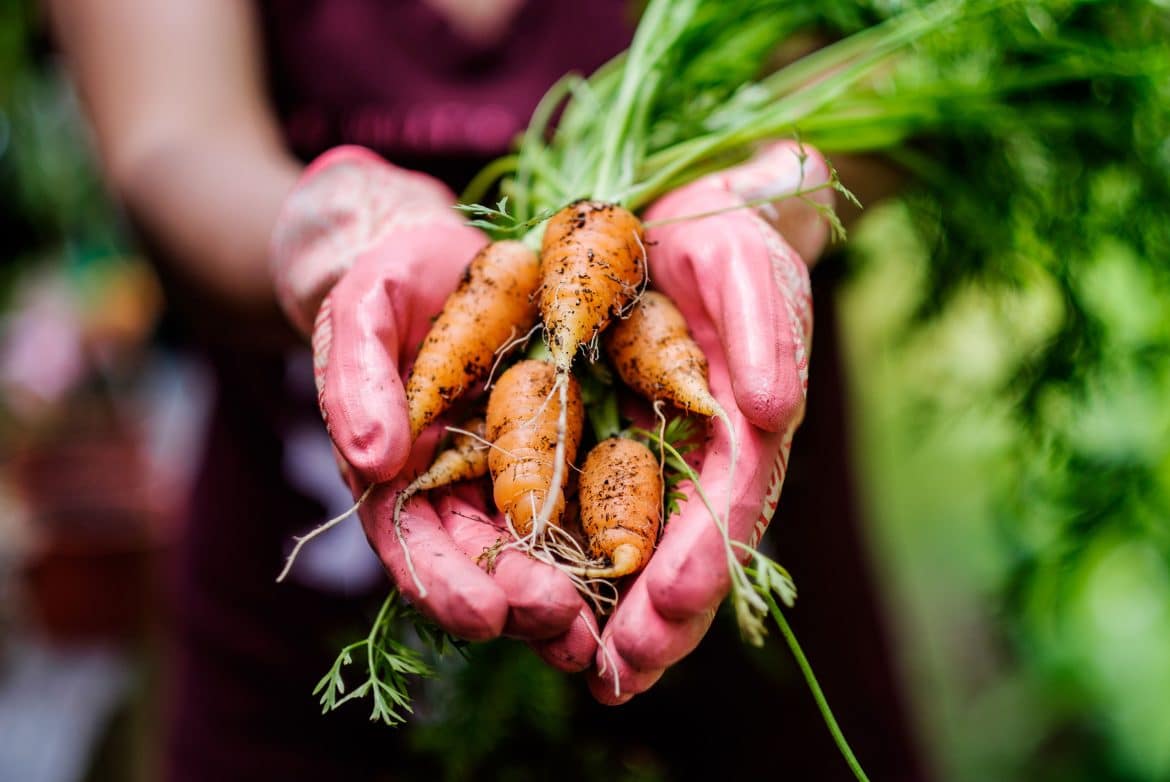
(1012, 425)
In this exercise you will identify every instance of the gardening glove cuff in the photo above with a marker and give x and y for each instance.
(346, 202)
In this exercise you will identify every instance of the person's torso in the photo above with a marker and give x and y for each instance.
(399, 77)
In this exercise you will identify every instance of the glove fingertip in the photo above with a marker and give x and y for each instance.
(459, 597)
(375, 451)
(542, 601)
(472, 614)
(770, 403)
(477, 613)
(573, 650)
(369, 428)
(614, 681)
(375, 448)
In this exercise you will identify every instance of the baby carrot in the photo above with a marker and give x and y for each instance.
(494, 302)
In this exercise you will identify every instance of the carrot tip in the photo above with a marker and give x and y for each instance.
(626, 559)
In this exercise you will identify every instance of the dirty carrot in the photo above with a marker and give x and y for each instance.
(522, 416)
(495, 301)
(465, 460)
(621, 505)
(655, 355)
(592, 267)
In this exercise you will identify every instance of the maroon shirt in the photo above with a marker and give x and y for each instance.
(396, 77)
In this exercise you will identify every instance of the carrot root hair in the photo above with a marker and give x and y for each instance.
(558, 549)
(504, 349)
(561, 389)
(403, 497)
(320, 529)
(733, 459)
(607, 661)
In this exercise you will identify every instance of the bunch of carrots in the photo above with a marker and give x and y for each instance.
(591, 275)
(587, 288)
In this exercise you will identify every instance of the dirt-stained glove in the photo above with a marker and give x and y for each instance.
(363, 256)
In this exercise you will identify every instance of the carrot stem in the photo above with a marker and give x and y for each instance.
(815, 688)
(534, 138)
(797, 192)
(479, 186)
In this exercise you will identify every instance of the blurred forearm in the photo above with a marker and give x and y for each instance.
(174, 90)
(210, 207)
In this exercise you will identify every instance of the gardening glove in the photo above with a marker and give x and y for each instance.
(363, 256)
(741, 283)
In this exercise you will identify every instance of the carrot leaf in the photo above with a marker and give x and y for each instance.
(601, 403)
(389, 663)
(498, 220)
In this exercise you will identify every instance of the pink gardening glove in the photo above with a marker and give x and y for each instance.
(744, 291)
(364, 254)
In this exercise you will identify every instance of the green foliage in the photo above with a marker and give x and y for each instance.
(1040, 258)
(1068, 191)
(679, 434)
(496, 220)
(388, 663)
(1032, 359)
(53, 204)
(599, 394)
(1033, 134)
(755, 587)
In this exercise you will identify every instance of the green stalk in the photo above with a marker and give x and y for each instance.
(533, 143)
(477, 189)
(583, 116)
(825, 60)
(815, 688)
(820, 66)
(843, 69)
(661, 25)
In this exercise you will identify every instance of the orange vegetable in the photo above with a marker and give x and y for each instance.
(621, 505)
(522, 417)
(494, 303)
(465, 460)
(592, 267)
(655, 355)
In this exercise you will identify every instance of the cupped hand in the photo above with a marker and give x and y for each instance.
(741, 281)
(364, 254)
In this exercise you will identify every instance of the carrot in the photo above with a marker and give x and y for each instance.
(522, 425)
(655, 355)
(494, 302)
(592, 267)
(621, 505)
(465, 460)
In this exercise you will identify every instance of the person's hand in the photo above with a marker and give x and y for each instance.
(741, 282)
(363, 256)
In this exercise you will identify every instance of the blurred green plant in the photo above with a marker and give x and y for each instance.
(1026, 296)
(53, 204)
